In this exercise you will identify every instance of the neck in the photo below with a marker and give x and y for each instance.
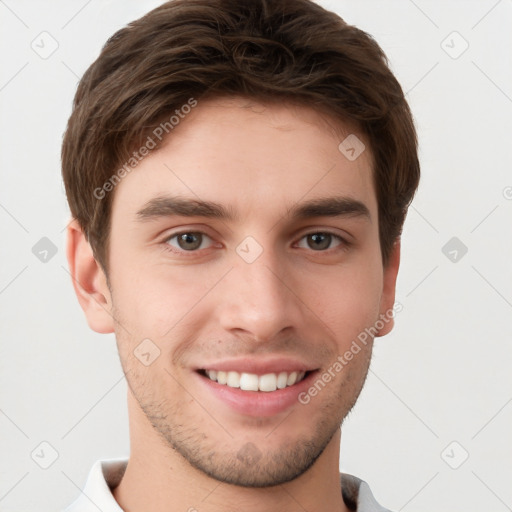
(159, 479)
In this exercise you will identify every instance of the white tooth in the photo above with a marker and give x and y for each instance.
(212, 374)
(282, 379)
(292, 378)
(222, 377)
(300, 376)
(233, 379)
(249, 382)
(268, 382)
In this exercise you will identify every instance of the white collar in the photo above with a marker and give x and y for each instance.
(106, 474)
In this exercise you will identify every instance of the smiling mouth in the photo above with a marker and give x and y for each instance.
(253, 382)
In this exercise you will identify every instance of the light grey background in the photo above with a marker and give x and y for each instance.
(442, 376)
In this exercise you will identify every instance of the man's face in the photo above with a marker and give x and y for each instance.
(257, 285)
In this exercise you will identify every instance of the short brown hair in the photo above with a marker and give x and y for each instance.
(291, 50)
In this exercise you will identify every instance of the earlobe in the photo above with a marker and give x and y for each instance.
(388, 290)
(89, 281)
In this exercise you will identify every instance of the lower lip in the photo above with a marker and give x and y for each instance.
(258, 403)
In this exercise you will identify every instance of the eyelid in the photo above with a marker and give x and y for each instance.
(346, 237)
(184, 232)
(180, 230)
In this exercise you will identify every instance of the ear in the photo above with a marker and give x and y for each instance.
(89, 281)
(387, 300)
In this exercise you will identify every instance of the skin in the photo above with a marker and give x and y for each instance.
(209, 304)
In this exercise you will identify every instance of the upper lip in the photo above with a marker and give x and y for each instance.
(259, 366)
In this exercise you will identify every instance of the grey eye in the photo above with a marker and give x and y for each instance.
(188, 241)
(319, 241)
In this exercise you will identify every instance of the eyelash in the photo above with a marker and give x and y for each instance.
(343, 243)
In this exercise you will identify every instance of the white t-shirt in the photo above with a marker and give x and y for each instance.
(106, 475)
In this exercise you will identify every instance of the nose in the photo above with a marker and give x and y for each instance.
(258, 299)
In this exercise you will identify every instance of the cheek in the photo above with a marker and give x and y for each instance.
(156, 302)
(349, 301)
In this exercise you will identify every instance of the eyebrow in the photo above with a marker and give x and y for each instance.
(167, 206)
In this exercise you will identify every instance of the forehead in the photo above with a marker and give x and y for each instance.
(246, 155)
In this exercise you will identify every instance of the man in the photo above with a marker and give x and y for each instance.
(238, 175)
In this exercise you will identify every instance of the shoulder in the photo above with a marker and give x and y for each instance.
(358, 496)
(103, 476)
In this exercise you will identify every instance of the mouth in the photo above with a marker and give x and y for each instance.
(266, 383)
(257, 387)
